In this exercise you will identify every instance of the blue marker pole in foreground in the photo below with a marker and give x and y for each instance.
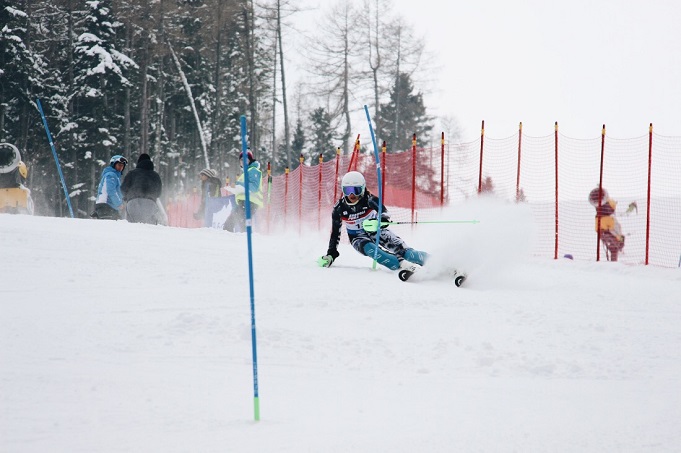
(244, 152)
(380, 185)
(56, 159)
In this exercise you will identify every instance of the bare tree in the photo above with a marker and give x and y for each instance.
(335, 55)
(376, 23)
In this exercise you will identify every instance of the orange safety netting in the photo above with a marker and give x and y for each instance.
(553, 174)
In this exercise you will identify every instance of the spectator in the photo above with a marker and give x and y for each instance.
(109, 201)
(210, 187)
(606, 223)
(237, 218)
(141, 190)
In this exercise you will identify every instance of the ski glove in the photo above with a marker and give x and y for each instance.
(327, 260)
(371, 226)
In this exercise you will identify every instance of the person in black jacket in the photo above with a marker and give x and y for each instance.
(358, 210)
(141, 190)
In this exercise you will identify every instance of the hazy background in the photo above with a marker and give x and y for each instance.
(580, 63)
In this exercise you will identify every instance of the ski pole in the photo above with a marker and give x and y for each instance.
(377, 156)
(372, 225)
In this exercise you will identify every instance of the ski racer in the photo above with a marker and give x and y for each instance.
(109, 196)
(358, 210)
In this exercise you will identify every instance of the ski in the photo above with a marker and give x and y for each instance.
(458, 278)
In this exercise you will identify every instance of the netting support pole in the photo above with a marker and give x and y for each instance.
(482, 145)
(600, 197)
(413, 176)
(517, 176)
(650, 166)
(301, 159)
(269, 193)
(286, 172)
(319, 199)
(555, 140)
(335, 182)
(384, 149)
(442, 169)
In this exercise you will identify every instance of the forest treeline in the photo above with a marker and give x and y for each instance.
(171, 78)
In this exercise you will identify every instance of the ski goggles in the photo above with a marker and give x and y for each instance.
(353, 190)
(121, 160)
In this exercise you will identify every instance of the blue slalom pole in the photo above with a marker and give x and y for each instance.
(380, 185)
(56, 159)
(244, 152)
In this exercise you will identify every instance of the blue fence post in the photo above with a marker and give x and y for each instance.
(380, 184)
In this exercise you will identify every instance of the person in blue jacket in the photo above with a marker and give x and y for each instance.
(237, 218)
(109, 197)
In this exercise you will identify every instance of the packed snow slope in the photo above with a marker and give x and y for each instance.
(118, 337)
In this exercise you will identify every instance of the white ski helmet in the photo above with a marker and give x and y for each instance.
(353, 183)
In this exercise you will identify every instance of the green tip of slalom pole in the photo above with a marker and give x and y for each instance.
(256, 408)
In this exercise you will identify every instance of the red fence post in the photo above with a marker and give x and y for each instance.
(600, 197)
(269, 193)
(383, 173)
(286, 172)
(650, 161)
(517, 177)
(335, 182)
(482, 141)
(413, 176)
(555, 244)
(300, 192)
(442, 169)
(355, 153)
(319, 201)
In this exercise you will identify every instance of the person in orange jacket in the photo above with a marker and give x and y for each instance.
(606, 223)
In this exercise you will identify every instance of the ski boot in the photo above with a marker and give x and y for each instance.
(406, 270)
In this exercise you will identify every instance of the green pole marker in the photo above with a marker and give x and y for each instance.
(256, 408)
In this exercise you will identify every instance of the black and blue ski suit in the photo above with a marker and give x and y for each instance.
(392, 249)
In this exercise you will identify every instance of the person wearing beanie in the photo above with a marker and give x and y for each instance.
(210, 187)
(142, 189)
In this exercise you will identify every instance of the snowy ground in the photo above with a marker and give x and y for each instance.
(117, 337)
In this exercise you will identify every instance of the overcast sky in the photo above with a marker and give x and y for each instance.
(581, 63)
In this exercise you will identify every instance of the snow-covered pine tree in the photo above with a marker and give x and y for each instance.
(21, 69)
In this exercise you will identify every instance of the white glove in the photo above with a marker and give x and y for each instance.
(236, 190)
